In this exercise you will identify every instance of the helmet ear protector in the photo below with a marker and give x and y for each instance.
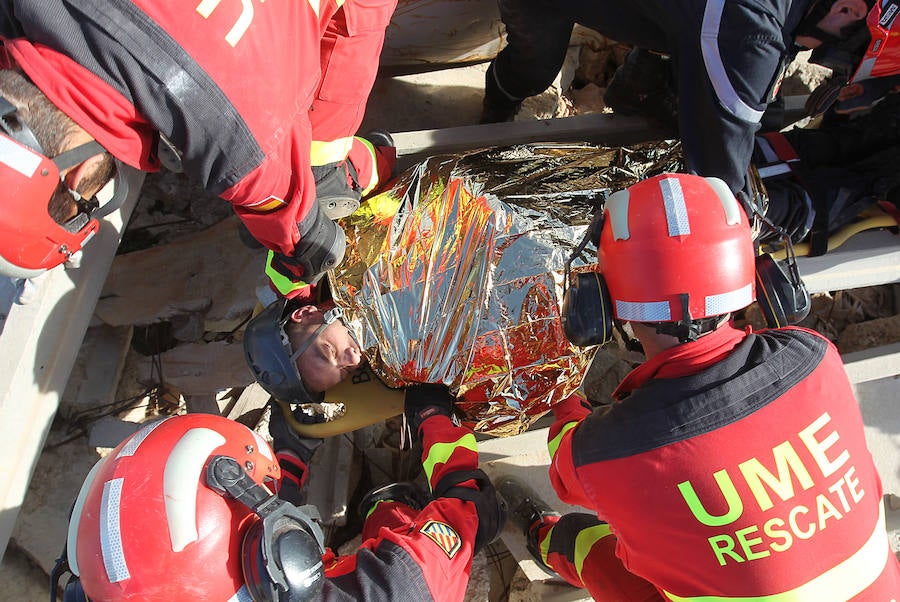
(781, 293)
(282, 552)
(30, 240)
(587, 313)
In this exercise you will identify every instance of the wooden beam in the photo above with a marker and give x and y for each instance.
(600, 128)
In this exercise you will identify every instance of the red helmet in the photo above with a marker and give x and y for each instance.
(30, 240)
(676, 248)
(882, 55)
(146, 526)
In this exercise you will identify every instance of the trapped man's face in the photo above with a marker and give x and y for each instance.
(330, 358)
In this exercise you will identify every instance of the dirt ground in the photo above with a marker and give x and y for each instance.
(171, 207)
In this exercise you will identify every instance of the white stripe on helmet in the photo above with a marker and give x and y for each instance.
(181, 481)
(733, 209)
(617, 214)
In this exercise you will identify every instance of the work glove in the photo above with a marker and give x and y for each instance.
(424, 401)
(293, 453)
(321, 248)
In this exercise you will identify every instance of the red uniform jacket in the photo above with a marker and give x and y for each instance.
(231, 84)
(415, 555)
(735, 466)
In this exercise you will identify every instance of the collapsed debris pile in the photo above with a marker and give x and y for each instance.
(159, 356)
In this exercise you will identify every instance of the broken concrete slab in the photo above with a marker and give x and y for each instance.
(211, 272)
(333, 475)
(200, 368)
(108, 432)
(98, 367)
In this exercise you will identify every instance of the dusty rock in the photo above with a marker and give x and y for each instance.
(872, 333)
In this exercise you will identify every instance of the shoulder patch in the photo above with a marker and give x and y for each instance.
(444, 536)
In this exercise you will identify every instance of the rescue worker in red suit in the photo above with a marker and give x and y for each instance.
(182, 509)
(733, 464)
(258, 102)
(707, 69)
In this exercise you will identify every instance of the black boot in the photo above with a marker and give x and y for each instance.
(497, 105)
(642, 85)
(337, 184)
(527, 511)
(403, 492)
(337, 191)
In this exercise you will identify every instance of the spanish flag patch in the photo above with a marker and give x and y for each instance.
(444, 536)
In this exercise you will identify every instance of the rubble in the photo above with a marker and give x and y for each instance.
(215, 291)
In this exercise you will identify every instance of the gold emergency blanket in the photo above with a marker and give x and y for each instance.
(455, 275)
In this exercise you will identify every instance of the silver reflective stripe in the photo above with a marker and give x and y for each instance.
(129, 448)
(676, 211)
(181, 481)
(865, 69)
(773, 170)
(766, 149)
(18, 158)
(110, 534)
(657, 311)
(715, 69)
(728, 302)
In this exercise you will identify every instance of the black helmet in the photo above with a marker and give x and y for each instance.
(269, 354)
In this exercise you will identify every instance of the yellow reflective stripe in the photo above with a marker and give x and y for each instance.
(441, 452)
(323, 153)
(839, 583)
(284, 284)
(585, 540)
(545, 545)
(369, 186)
(553, 445)
(372, 509)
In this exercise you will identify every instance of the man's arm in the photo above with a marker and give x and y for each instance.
(728, 72)
(569, 414)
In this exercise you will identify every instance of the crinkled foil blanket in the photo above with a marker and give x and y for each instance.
(456, 274)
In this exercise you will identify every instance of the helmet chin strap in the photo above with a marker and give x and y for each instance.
(330, 316)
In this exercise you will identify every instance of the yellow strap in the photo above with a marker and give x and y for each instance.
(441, 452)
(323, 153)
(553, 445)
(839, 583)
(284, 284)
(841, 236)
(585, 541)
